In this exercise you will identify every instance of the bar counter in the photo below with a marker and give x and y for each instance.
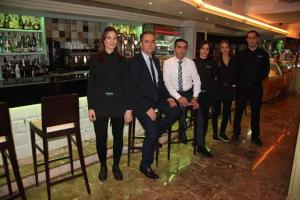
(22, 93)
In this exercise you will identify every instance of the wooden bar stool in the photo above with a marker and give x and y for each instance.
(60, 119)
(8, 152)
(192, 122)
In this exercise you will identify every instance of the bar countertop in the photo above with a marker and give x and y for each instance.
(26, 92)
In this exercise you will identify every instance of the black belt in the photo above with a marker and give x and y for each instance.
(187, 91)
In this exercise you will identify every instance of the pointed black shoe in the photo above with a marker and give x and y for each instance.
(202, 150)
(117, 173)
(224, 137)
(149, 173)
(257, 141)
(103, 173)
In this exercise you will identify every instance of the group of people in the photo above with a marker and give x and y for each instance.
(117, 87)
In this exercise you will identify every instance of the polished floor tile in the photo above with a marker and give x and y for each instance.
(238, 171)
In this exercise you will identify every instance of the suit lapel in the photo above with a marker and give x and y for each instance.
(145, 67)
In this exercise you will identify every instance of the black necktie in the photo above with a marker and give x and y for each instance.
(152, 72)
(180, 84)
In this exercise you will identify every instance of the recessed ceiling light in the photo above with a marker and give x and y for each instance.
(180, 12)
(207, 18)
(150, 3)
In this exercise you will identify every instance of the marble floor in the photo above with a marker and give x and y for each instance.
(238, 171)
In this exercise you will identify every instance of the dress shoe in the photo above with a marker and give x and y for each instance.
(204, 151)
(215, 137)
(224, 137)
(103, 173)
(182, 138)
(117, 173)
(235, 137)
(257, 141)
(149, 173)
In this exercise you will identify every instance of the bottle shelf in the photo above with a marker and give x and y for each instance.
(21, 53)
(20, 30)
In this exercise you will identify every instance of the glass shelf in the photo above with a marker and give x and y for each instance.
(21, 53)
(19, 30)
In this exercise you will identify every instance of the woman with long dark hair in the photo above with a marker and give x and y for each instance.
(225, 77)
(108, 98)
(207, 97)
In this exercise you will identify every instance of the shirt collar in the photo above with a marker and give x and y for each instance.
(176, 59)
(146, 57)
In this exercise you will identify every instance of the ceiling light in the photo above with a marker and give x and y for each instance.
(180, 12)
(202, 6)
(150, 3)
(207, 18)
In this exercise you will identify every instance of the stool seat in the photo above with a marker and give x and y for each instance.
(2, 139)
(37, 123)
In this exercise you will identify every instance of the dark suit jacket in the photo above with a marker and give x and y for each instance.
(144, 93)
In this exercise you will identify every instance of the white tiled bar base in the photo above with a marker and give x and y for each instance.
(21, 116)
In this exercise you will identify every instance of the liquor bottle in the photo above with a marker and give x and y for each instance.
(1, 20)
(2, 43)
(36, 24)
(23, 67)
(6, 21)
(21, 22)
(17, 71)
(33, 43)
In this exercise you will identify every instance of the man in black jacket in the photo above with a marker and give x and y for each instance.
(148, 95)
(253, 68)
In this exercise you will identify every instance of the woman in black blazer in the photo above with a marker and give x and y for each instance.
(225, 77)
(108, 98)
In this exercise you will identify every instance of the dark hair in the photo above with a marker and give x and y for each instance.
(180, 40)
(253, 31)
(209, 46)
(102, 47)
(219, 58)
(146, 33)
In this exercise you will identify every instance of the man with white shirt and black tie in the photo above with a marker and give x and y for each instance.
(183, 83)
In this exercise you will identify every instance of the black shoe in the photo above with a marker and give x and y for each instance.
(103, 173)
(117, 173)
(148, 172)
(215, 137)
(235, 137)
(224, 137)
(204, 151)
(257, 141)
(182, 138)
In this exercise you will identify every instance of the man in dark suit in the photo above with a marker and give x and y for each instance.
(149, 94)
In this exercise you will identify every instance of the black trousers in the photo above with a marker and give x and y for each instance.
(253, 95)
(226, 104)
(182, 121)
(101, 125)
(153, 129)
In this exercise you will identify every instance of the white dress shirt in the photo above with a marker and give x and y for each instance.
(147, 60)
(190, 76)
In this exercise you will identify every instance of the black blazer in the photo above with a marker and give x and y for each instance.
(144, 93)
(111, 75)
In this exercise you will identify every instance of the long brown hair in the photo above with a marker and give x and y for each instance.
(102, 47)
(209, 46)
(219, 58)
